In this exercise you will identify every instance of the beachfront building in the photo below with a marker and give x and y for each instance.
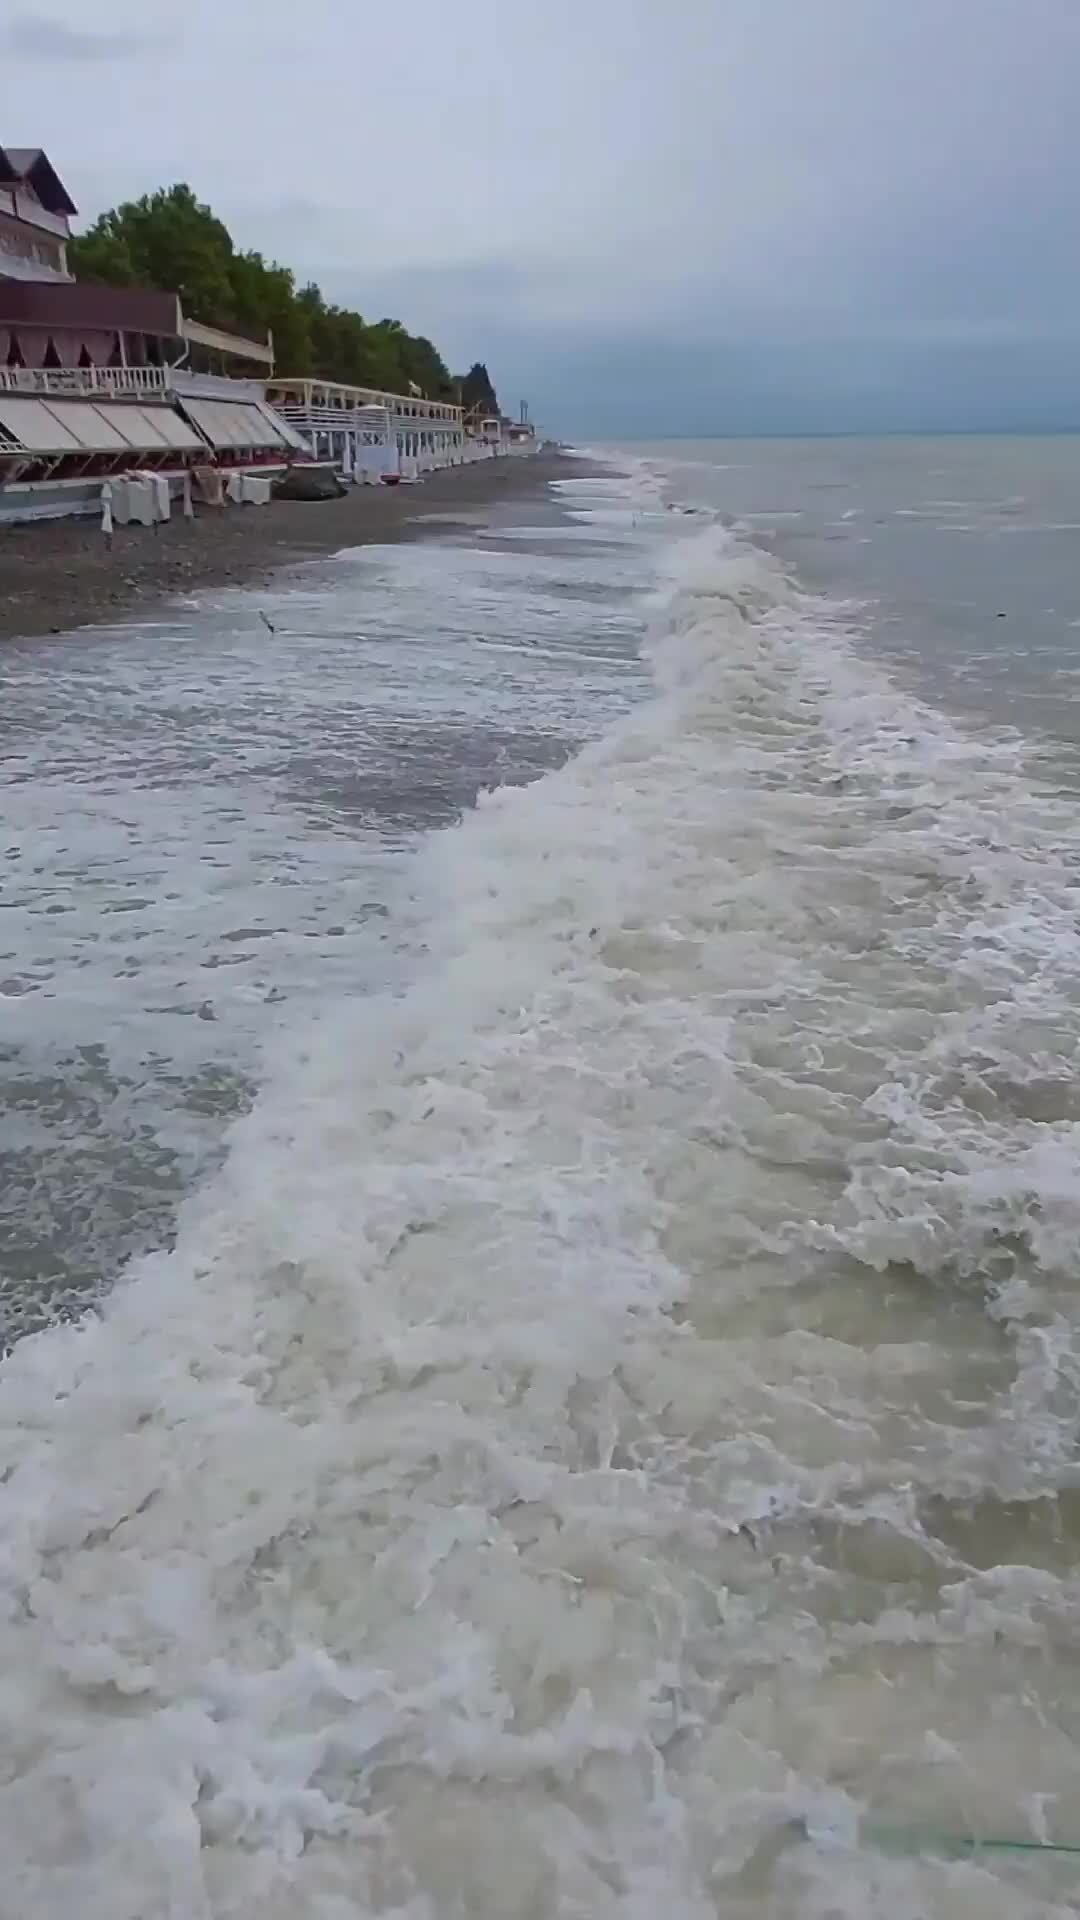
(63, 431)
(368, 434)
(98, 380)
(66, 429)
(498, 435)
(49, 321)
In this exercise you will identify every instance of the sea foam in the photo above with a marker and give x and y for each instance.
(611, 1420)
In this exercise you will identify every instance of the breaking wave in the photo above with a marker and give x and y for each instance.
(611, 1425)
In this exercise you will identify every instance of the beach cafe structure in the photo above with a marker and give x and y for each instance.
(97, 382)
(370, 435)
(64, 431)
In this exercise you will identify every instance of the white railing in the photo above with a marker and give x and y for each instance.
(113, 382)
(443, 435)
(23, 266)
(212, 386)
(334, 419)
(309, 394)
(446, 429)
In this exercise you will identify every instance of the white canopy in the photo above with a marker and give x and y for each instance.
(59, 426)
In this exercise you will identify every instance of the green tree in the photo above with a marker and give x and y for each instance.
(264, 295)
(170, 239)
(102, 254)
(477, 390)
(425, 366)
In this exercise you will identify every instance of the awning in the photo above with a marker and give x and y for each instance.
(176, 430)
(91, 426)
(154, 427)
(61, 426)
(288, 433)
(196, 334)
(235, 426)
(35, 427)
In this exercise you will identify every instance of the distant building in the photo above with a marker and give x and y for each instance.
(501, 435)
(369, 433)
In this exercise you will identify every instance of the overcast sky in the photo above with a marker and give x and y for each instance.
(650, 215)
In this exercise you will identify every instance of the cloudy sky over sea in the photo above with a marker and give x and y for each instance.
(711, 214)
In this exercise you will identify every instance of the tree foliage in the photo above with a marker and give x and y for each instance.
(477, 390)
(169, 239)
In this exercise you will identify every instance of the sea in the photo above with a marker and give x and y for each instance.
(540, 1213)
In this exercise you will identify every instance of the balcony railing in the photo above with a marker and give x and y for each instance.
(374, 424)
(213, 386)
(25, 266)
(114, 383)
(405, 407)
(308, 419)
(22, 206)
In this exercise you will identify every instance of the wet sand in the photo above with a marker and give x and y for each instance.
(56, 575)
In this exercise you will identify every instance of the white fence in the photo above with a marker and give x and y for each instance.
(112, 382)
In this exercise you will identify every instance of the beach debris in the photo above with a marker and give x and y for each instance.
(848, 1832)
(310, 482)
(267, 622)
(208, 485)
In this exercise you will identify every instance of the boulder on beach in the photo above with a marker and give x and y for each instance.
(309, 483)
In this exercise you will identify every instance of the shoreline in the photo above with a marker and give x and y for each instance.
(56, 576)
(207, 823)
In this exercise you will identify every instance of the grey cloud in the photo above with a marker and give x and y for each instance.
(37, 37)
(818, 210)
(451, 303)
